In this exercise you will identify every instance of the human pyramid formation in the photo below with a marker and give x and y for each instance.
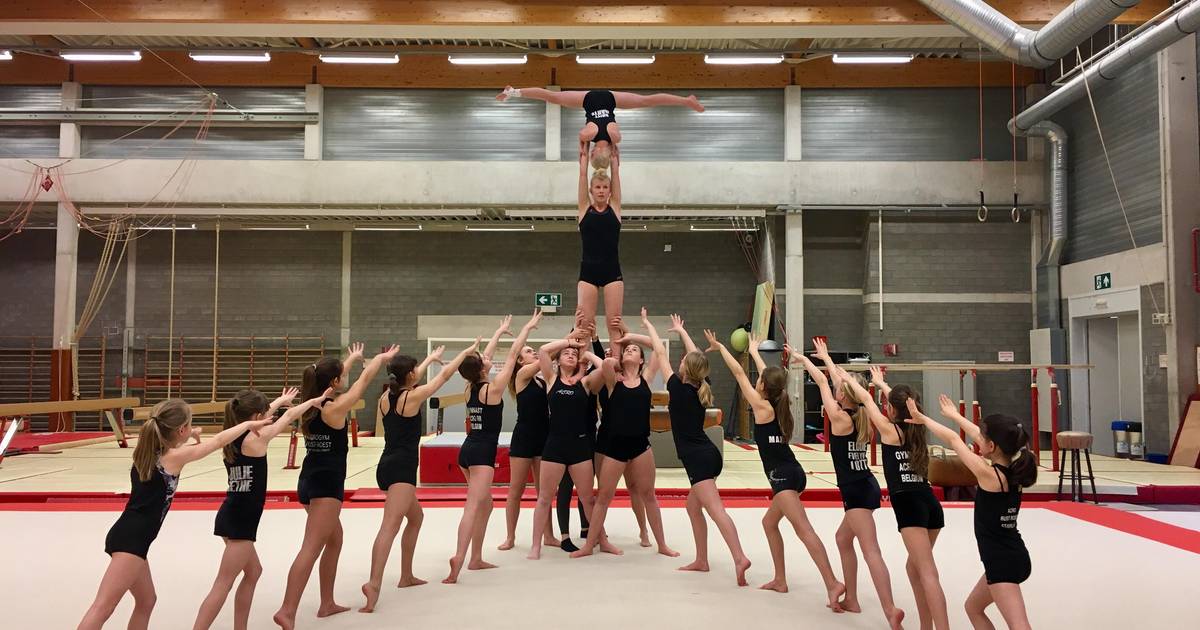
(558, 389)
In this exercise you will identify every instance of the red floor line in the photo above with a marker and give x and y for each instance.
(1131, 523)
(745, 447)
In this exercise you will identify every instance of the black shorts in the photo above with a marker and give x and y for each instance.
(527, 441)
(787, 477)
(1007, 568)
(397, 467)
(237, 523)
(862, 494)
(701, 463)
(601, 440)
(626, 448)
(131, 534)
(568, 450)
(321, 484)
(600, 273)
(477, 452)
(918, 508)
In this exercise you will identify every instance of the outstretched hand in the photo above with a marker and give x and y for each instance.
(356, 351)
(506, 326)
(713, 344)
(877, 376)
(387, 355)
(915, 415)
(820, 349)
(436, 355)
(536, 319)
(285, 399)
(949, 409)
(195, 435)
(676, 323)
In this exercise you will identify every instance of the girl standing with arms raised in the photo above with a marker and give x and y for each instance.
(158, 459)
(237, 519)
(773, 425)
(1003, 466)
(397, 471)
(849, 439)
(477, 458)
(321, 486)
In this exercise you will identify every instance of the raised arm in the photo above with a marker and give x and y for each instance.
(334, 412)
(434, 357)
(356, 355)
(747, 388)
(175, 459)
(881, 422)
(585, 198)
(421, 393)
(285, 399)
(821, 351)
(827, 399)
(496, 390)
(615, 194)
(877, 381)
(950, 410)
(658, 348)
(267, 433)
(594, 380)
(490, 350)
(677, 327)
(549, 350)
(755, 341)
(978, 465)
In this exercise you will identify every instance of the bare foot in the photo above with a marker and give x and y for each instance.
(895, 617)
(534, 554)
(584, 551)
(455, 566)
(329, 610)
(408, 581)
(696, 566)
(506, 545)
(741, 566)
(835, 595)
(503, 95)
(371, 592)
(551, 541)
(694, 103)
(608, 547)
(287, 621)
(479, 565)
(850, 605)
(777, 585)
(645, 540)
(667, 551)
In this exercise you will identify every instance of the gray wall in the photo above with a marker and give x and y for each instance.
(33, 140)
(1154, 378)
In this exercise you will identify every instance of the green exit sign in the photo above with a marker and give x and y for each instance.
(544, 300)
(1103, 281)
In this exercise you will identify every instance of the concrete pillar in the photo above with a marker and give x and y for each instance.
(66, 261)
(791, 123)
(1179, 137)
(314, 135)
(793, 275)
(347, 240)
(68, 133)
(553, 129)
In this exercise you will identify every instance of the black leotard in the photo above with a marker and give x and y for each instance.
(401, 444)
(479, 449)
(600, 107)
(323, 473)
(238, 517)
(778, 460)
(1003, 552)
(600, 234)
(849, 455)
(533, 421)
(700, 457)
(144, 513)
(569, 442)
(629, 414)
(913, 501)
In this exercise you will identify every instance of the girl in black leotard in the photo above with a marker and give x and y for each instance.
(400, 406)
(323, 477)
(773, 432)
(568, 446)
(849, 439)
(477, 457)
(1003, 466)
(158, 459)
(237, 520)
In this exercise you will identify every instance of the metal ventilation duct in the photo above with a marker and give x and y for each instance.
(1025, 46)
(1049, 290)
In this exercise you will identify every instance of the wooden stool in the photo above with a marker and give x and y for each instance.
(1075, 441)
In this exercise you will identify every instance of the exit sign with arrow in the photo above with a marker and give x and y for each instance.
(547, 300)
(1103, 281)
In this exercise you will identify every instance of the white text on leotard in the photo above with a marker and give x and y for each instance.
(906, 474)
(857, 452)
(241, 478)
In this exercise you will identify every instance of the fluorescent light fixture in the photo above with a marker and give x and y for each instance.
(5, 55)
(523, 228)
(248, 56)
(170, 227)
(872, 57)
(274, 228)
(360, 58)
(743, 60)
(693, 228)
(488, 60)
(633, 228)
(630, 60)
(393, 228)
(101, 55)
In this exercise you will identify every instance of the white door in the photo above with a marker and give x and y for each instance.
(1104, 382)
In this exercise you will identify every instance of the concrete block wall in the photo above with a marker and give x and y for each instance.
(1157, 434)
(27, 282)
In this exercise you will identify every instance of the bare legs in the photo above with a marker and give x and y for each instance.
(1008, 599)
(241, 558)
(787, 505)
(610, 472)
(859, 523)
(401, 504)
(571, 98)
(474, 522)
(704, 496)
(923, 574)
(516, 489)
(629, 100)
(126, 572)
(640, 477)
(551, 474)
(322, 540)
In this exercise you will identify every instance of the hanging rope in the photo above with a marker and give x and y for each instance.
(171, 320)
(216, 309)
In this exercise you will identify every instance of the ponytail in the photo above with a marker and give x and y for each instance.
(158, 434)
(862, 422)
(246, 404)
(316, 379)
(1010, 438)
(398, 370)
(774, 381)
(916, 436)
(695, 370)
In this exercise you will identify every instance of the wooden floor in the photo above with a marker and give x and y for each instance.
(105, 468)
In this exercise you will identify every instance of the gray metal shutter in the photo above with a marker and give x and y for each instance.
(378, 124)
(247, 143)
(932, 124)
(1128, 111)
(34, 140)
(737, 125)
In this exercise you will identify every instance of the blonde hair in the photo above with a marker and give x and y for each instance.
(862, 423)
(600, 174)
(601, 158)
(695, 369)
(159, 433)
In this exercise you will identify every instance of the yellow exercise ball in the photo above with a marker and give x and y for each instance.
(739, 340)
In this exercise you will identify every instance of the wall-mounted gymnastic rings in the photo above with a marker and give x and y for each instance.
(1016, 211)
(982, 213)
